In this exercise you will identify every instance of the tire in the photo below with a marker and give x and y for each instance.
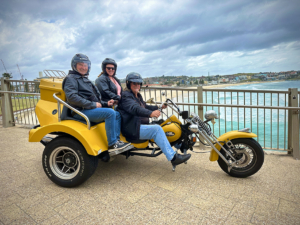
(249, 162)
(66, 162)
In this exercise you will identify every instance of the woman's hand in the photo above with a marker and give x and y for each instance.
(155, 113)
(110, 102)
(98, 105)
(164, 105)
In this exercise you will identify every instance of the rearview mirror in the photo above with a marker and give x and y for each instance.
(210, 115)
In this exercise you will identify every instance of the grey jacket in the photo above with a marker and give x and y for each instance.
(80, 92)
(107, 88)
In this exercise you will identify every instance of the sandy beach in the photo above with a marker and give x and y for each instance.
(156, 94)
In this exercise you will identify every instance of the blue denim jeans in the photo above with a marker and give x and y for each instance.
(112, 120)
(157, 133)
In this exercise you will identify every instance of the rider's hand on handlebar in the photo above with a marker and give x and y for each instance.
(164, 105)
(98, 105)
(155, 113)
(110, 102)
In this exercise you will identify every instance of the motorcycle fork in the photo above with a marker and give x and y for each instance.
(208, 139)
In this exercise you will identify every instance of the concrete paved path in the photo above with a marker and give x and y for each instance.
(144, 191)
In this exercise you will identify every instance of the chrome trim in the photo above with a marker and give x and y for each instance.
(193, 128)
(247, 130)
(70, 107)
(47, 139)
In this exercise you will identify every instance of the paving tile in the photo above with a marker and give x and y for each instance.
(233, 220)
(144, 186)
(191, 215)
(176, 203)
(289, 207)
(84, 219)
(157, 194)
(40, 212)
(266, 208)
(57, 200)
(9, 198)
(221, 201)
(199, 202)
(30, 201)
(263, 219)
(165, 216)
(244, 199)
(134, 195)
(218, 215)
(283, 218)
(53, 220)
(135, 219)
(207, 221)
(152, 177)
(122, 206)
(69, 211)
(168, 182)
(14, 215)
(150, 205)
(242, 212)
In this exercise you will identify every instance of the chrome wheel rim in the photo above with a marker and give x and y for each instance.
(64, 163)
(245, 157)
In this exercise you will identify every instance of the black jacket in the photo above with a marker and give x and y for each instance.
(107, 88)
(131, 112)
(80, 92)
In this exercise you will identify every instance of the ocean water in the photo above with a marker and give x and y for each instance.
(269, 125)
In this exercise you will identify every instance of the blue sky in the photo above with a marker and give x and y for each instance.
(153, 38)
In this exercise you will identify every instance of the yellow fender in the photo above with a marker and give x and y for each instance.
(93, 140)
(227, 137)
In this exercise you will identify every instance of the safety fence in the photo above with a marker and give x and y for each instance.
(272, 115)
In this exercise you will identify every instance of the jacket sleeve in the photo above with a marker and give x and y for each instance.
(132, 107)
(102, 85)
(103, 103)
(151, 107)
(71, 91)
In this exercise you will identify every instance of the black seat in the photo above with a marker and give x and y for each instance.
(67, 115)
(139, 141)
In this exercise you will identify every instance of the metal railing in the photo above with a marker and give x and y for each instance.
(265, 112)
(22, 97)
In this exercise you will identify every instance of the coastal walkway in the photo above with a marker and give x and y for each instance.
(145, 190)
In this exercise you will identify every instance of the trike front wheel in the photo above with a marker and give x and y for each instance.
(249, 155)
(66, 162)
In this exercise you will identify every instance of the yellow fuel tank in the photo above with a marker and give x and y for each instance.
(172, 128)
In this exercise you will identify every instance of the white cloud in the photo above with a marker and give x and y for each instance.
(152, 37)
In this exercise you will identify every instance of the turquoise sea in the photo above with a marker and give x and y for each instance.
(269, 125)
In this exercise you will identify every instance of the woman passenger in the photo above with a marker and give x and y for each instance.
(107, 82)
(84, 96)
(135, 115)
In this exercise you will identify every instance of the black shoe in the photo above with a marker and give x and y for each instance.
(178, 159)
(119, 145)
(104, 156)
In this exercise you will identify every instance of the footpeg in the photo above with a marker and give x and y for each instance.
(117, 152)
(174, 166)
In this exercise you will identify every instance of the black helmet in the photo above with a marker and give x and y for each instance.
(109, 61)
(133, 77)
(80, 58)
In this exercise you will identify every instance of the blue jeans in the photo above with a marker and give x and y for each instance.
(112, 120)
(157, 133)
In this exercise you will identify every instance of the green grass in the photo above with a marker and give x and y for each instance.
(20, 104)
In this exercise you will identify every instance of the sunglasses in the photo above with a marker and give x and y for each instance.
(110, 68)
(134, 83)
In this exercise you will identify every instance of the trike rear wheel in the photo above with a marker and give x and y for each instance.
(66, 162)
